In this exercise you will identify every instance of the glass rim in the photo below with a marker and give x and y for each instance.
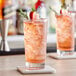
(41, 19)
(69, 13)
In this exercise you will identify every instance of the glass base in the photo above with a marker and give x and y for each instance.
(64, 53)
(33, 66)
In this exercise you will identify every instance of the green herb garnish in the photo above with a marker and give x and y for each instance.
(33, 9)
(53, 11)
(23, 14)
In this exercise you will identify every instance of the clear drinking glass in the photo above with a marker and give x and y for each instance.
(65, 34)
(35, 35)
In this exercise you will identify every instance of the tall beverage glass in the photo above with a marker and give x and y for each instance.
(65, 34)
(35, 35)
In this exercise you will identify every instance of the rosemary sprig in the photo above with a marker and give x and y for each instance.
(23, 14)
(53, 11)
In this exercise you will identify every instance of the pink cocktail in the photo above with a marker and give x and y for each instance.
(65, 34)
(35, 43)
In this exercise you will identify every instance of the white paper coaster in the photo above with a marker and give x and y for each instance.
(55, 56)
(46, 70)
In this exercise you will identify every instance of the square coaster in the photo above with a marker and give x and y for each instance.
(46, 70)
(56, 56)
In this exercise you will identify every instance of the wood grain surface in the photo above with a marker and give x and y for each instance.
(8, 66)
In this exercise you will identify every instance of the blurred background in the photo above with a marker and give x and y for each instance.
(15, 32)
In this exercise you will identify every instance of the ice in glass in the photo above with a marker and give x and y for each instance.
(65, 34)
(35, 43)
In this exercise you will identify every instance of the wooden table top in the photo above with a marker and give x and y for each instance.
(8, 66)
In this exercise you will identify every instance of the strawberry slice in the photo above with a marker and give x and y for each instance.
(34, 15)
(31, 15)
(61, 11)
(64, 12)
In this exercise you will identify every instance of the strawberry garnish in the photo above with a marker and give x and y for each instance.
(61, 12)
(31, 15)
(39, 2)
(35, 16)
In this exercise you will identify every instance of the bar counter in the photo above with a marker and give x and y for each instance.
(8, 66)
